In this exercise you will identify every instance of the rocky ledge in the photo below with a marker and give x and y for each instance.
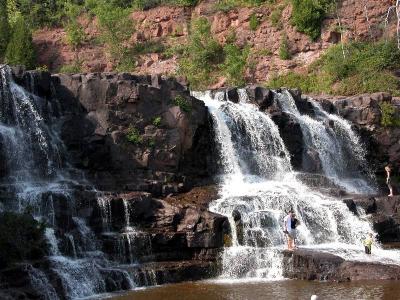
(309, 264)
(384, 213)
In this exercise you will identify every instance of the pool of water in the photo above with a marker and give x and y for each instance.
(253, 290)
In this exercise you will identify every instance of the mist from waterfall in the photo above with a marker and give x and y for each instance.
(259, 185)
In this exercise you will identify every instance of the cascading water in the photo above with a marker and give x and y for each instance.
(37, 173)
(336, 144)
(258, 187)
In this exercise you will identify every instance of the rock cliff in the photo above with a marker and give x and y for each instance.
(168, 25)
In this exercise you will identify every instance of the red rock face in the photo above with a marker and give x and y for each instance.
(361, 20)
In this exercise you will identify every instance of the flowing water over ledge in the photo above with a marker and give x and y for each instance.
(268, 290)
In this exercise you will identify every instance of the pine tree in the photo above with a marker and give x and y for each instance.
(4, 28)
(20, 49)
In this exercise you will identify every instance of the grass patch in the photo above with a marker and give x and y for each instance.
(254, 22)
(389, 118)
(284, 50)
(183, 103)
(367, 68)
(133, 136)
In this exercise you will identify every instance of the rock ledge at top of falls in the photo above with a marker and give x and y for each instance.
(308, 264)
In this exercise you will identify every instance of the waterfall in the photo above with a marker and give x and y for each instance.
(259, 186)
(37, 174)
(336, 144)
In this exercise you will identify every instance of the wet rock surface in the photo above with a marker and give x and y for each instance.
(309, 264)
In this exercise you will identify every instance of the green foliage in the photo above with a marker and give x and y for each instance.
(75, 34)
(284, 51)
(276, 16)
(74, 68)
(151, 142)
(157, 121)
(4, 28)
(21, 238)
(43, 68)
(201, 56)
(367, 68)
(307, 16)
(254, 22)
(151, 46)
(20, 49)
(227, 5)
(116, 28)
(183, 103)
(235, 63)
(388, 118)
(133, 136)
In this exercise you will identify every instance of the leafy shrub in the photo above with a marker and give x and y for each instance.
(284, 51)
(157, 121)
(235, 62)
(20, 49)
(133, 136)
(21, 238)
(388, 117)
(276, 16)
(75, 34)
(307, 16)
(253, 22)
(183, 103)
(4, 28)
(201, 56)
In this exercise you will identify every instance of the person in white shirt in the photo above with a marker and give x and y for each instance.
(287, 229)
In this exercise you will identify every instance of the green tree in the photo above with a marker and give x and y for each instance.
(20, 49)
(4, 28)
(116, 29)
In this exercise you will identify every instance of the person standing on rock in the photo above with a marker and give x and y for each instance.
(287, 229)
(368, 243)
(293, 224)
(388, 170)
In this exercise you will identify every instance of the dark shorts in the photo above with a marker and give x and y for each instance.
(367, 250)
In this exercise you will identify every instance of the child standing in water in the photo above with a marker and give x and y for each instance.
(368, 243)
(388, 170)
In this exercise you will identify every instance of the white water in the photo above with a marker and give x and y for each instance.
(258, 182)
(339, 148)
(36, 172)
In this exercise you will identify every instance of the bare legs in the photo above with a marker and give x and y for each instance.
(290, 242)
(390, 189)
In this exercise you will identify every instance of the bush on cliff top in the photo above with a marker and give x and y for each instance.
(307, 16)
(367, 68)
(21, 238)
(202, 55)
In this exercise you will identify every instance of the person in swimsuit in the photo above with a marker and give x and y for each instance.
(388, 170)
